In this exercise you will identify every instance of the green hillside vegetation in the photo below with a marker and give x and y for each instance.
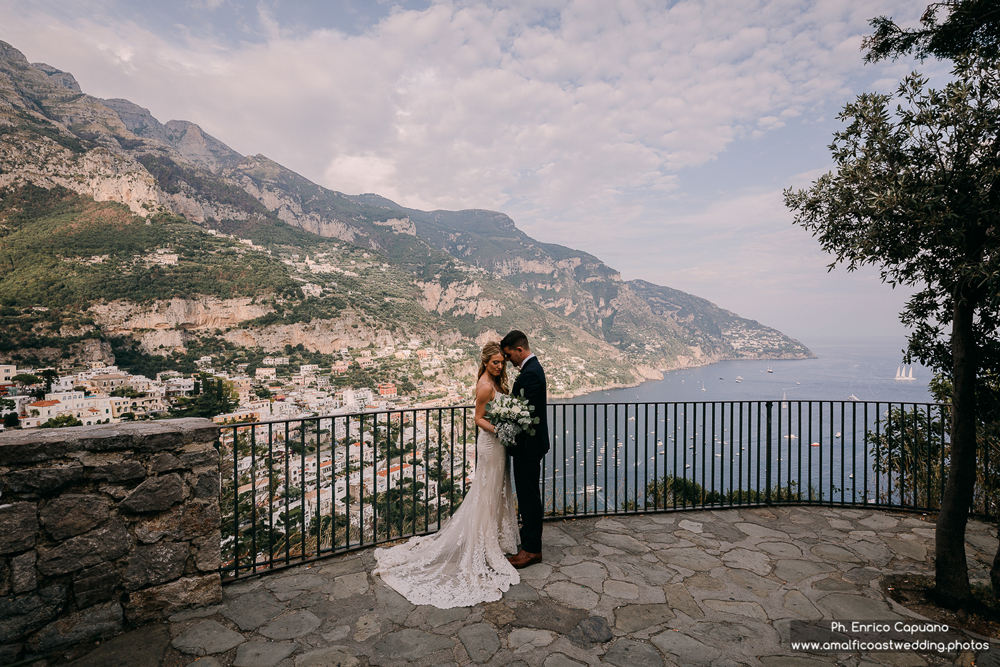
(59, 249)
(330, 262)
(53, 333)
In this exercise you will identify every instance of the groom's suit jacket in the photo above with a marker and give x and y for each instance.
(532, 381)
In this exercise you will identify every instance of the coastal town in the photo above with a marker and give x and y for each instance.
(302, 445)
(277, 389)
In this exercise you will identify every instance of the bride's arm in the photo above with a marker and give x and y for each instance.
(483, 396)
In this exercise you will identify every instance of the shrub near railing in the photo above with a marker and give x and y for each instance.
(913, 446)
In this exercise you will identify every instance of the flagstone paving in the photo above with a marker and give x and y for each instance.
(708, 588)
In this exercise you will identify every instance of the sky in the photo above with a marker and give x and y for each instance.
(658, 136)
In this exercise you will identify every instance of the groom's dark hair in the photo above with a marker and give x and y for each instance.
(514, 339)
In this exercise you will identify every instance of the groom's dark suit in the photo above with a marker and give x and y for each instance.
(527, 455)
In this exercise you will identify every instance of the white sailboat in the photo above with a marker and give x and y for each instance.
(901, 374)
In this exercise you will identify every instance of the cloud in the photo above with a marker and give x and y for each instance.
(578, 118)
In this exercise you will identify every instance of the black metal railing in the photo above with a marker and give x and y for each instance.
(305, 488)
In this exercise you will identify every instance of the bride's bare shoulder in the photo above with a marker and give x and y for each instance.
(484, 391)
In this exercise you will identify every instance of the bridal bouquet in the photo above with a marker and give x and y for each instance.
(512, 416)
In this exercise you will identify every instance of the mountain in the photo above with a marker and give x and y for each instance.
(333, 270)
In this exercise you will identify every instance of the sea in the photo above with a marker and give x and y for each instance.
(709, 426)
(864, 368)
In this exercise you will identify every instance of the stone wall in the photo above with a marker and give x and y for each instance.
(105, 527)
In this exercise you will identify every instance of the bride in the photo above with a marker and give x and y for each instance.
(463, 563)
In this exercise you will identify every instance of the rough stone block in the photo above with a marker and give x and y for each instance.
(200, 430)
(22, 614)
(207, 485)
(41, 480)
(93, 623)
(24, 578)
(95, 584)
(208, 552)
(158, 442)
(73, 514)
(156, 564)
(124, 471)
(160, 601)
(106, 543)
(6, 577)
(200, 518)
(18, 527)
(165, 462)
(155, 494)
(33, 446)
(9, 653)
(198, 454)
(189, 521)
(105, 438)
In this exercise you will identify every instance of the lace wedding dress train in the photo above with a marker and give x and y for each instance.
(463, 563)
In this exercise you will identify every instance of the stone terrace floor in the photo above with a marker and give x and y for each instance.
(696, 588)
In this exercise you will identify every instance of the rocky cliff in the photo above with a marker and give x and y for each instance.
(453, 273)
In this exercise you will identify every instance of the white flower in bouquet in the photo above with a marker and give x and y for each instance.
(511, 415)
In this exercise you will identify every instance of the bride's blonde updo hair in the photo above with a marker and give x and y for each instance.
(489, 350)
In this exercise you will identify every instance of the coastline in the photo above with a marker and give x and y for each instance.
(654, 375)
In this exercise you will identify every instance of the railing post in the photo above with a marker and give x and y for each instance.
(767, 487)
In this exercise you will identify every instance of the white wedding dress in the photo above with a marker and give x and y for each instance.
(463, 563)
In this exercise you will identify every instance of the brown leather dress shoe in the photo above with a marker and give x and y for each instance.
(524, 559)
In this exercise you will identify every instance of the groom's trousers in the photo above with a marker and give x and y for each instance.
(527, 482)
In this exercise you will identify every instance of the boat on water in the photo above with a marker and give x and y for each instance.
(901, 374)
(852, 397)
(769, 370)
(739, 377)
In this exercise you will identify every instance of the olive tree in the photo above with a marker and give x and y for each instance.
(915, 192)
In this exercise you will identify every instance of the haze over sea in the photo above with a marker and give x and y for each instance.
(864, 367)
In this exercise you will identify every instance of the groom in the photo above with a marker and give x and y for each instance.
(527, 454)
